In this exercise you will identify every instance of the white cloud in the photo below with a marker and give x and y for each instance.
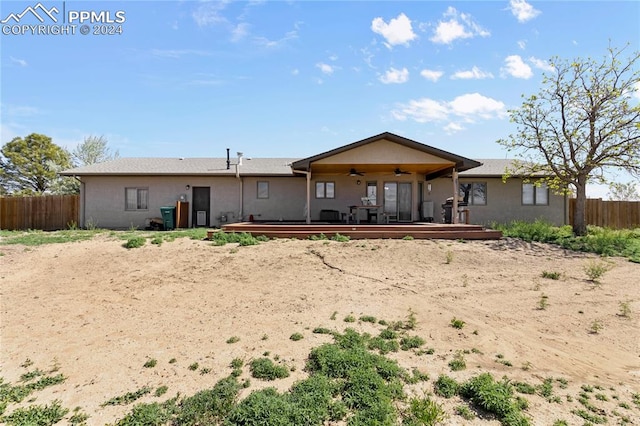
(210, 13)
(295, 71)
(541, 64)
(422, 110)
(458, 26)
(333, 58)
(397, 31)
(395, 76)
(18, 61)
(452, 128)
(274, 44)
(522, 44)
(325, 68)
(522, 10)
(470, 107)
(431, 74)
(475, 105)
(474, 73)
(240, 31)
(515, 67)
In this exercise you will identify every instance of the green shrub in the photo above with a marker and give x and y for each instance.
(265, 369)
(457, 323)
(151, 362)
(322, 330)
(446, 387)
(296, 336)
(154, 414)
(128, 397)
(412, 342)
(36, 415)
(494, 397)
(457, 363)
(551, 275)
(135, 242)
(340, 238)
(382, 345)
(209, 406)
(368, 318)
(424, 411)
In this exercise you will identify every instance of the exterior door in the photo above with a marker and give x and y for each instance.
(201, 211)
(404, 202)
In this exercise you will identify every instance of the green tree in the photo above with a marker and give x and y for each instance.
(93, 150)
(619, 191)
(29, 165)
(583, 121)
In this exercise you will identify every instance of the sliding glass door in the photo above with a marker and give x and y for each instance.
(397, 200)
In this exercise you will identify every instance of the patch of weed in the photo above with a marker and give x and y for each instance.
(265, 369)
(457, 323)
(446, 386)
(296, 336)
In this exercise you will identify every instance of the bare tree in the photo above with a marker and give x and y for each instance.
(93, 150)
(583, 121)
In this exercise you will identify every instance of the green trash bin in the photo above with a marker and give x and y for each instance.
(168, 217)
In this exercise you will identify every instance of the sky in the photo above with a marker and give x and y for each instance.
(288, 78)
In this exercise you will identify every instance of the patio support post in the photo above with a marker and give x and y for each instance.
(454, 207)
(308, 175)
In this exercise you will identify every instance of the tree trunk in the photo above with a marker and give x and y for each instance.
(579, 223)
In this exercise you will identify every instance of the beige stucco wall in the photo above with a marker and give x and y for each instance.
(382, 152)
(504, 202)
(104, 198)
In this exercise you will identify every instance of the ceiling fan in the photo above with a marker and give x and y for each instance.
(354, 172)
(399, 172)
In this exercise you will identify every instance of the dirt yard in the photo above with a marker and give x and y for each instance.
(98, 312)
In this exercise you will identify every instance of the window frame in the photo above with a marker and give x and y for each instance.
(324, 185)
(258, 184)
(536, 188)
(473, 184)
(139, 200)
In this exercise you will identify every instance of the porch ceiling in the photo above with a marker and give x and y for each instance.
(383, 168)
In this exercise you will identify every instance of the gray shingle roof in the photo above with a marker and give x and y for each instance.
(185, 166)
(218, 166)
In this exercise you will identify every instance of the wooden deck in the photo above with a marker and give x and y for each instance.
(417, 230)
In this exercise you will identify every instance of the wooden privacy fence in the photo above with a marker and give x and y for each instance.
(46, 212)
(609, 214)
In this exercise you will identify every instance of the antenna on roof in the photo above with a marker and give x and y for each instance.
(228, 160)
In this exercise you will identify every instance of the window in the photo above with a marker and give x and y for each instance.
(473, 193)
(136, 198)
(263, 189)
(535, 195)
(325, 190)
(372, 192)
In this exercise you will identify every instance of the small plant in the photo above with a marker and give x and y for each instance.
(161, 390)
(551, 275)
(135, 242)
(265, 369)
(424, 411)
(157, 241)
(349, 318)
(78, 417)
(413, 342)
(595, 270)
(296, 336)
(37, 415)
(205, 370)
(194, 366)
(625, 309)
(233, 339)
(457, 363)
(368, 318)
(457, 323)
(464, 412)
(128, 397)
(173, 361)
(446, 387)
(151, 362)
(321, 330)
(236, 363)
(543, 302)
(264, 337)
(340, 238)
(448, 258)
(333, 315)
(596, 326)
(560, 423)
(407, 238)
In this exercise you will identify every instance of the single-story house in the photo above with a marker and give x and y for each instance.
(407, 180)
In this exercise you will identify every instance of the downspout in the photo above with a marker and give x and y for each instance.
(454, 207)
(240, 181)
(308, 174)
(82, 203)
